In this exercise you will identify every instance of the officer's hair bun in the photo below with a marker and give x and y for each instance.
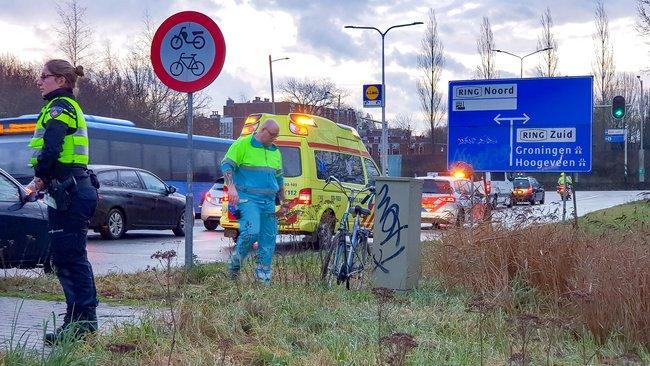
(79, 70)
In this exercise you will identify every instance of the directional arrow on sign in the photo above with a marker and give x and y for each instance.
(498, 119)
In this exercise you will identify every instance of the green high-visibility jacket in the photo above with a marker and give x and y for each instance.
(257, 169)
(75, 145)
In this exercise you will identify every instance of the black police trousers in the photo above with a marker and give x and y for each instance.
(68, 231)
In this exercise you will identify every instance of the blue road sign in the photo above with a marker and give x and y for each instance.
(372, 95)
(521, 125)
(615, 135)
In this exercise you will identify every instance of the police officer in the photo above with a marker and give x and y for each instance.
(60, 157)
(252, 171)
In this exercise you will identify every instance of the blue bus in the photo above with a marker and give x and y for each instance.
(118, 142)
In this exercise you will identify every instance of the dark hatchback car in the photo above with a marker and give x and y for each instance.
(24, 240)
(527, 189)
(135, 199)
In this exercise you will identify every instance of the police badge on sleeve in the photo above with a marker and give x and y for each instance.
(55, 111)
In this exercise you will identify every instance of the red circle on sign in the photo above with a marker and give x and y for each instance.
(219, 50)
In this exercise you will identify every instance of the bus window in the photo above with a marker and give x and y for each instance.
(157, 160)
(99, 151)
(179, 163)
(291, 163)
(126, 154)
(205, 166)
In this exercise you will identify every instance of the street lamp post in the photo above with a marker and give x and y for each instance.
(384, 127)
(521, 58)
(641, 151)
(271, 72)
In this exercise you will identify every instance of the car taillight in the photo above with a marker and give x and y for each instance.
(225, 194)
(488, 187)
(304, 196)
(529, 190)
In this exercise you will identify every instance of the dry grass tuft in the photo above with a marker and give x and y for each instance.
(603, 281)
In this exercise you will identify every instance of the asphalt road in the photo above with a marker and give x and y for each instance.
(133, 252)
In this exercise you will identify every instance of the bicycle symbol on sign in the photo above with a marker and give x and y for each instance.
(177, 41)
(189, 62)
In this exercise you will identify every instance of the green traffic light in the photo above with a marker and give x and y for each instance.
(618, 113)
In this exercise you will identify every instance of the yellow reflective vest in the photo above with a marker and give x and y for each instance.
(75, 145)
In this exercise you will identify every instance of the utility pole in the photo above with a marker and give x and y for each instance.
(384, 124)
(271, 72)
(641, 127)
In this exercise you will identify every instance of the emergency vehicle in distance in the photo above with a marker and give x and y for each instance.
(448, 198)
(313, 149)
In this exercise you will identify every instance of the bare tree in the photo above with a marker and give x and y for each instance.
(403, 121)
(485, 46)
(430, 62)
(548, 67)
(603, 67)
(75, 34)
(643, 10)
(312, 96)
(18, 94)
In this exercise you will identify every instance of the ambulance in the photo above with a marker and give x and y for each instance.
(313, 148)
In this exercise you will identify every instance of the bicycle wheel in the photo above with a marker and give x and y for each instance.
(198, 68)
(176, 68)
(334, 260)
(359, 267)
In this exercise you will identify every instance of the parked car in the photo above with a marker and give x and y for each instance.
(527, 189)
(211, 206)
(135, 199)
(24, 241)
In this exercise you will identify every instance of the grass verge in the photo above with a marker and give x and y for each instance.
(544, 295)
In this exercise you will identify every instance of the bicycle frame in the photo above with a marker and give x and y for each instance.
(343, 247)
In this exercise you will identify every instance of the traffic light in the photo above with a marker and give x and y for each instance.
(618, 107)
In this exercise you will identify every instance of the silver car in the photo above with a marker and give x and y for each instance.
(211, 207)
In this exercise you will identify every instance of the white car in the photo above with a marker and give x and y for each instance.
(446, 200)
(211, 207)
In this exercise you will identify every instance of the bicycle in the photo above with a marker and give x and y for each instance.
(177, 67)
(348, 251)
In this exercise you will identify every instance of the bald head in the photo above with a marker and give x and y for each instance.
(268, 132)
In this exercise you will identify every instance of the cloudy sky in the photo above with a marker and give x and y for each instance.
(311, 34)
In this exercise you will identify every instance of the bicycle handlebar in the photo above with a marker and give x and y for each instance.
(353, 191)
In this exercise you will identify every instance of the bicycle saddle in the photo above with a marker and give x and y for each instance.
(358, 210)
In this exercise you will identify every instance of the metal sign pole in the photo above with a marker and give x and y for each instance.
(575, 205)
(564, 199)
(189, 197)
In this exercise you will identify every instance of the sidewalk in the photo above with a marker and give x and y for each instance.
(25, 320)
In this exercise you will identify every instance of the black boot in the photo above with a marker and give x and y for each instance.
(71, 332)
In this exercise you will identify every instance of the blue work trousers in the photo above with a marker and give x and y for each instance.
(68, 231)
(257, 223)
